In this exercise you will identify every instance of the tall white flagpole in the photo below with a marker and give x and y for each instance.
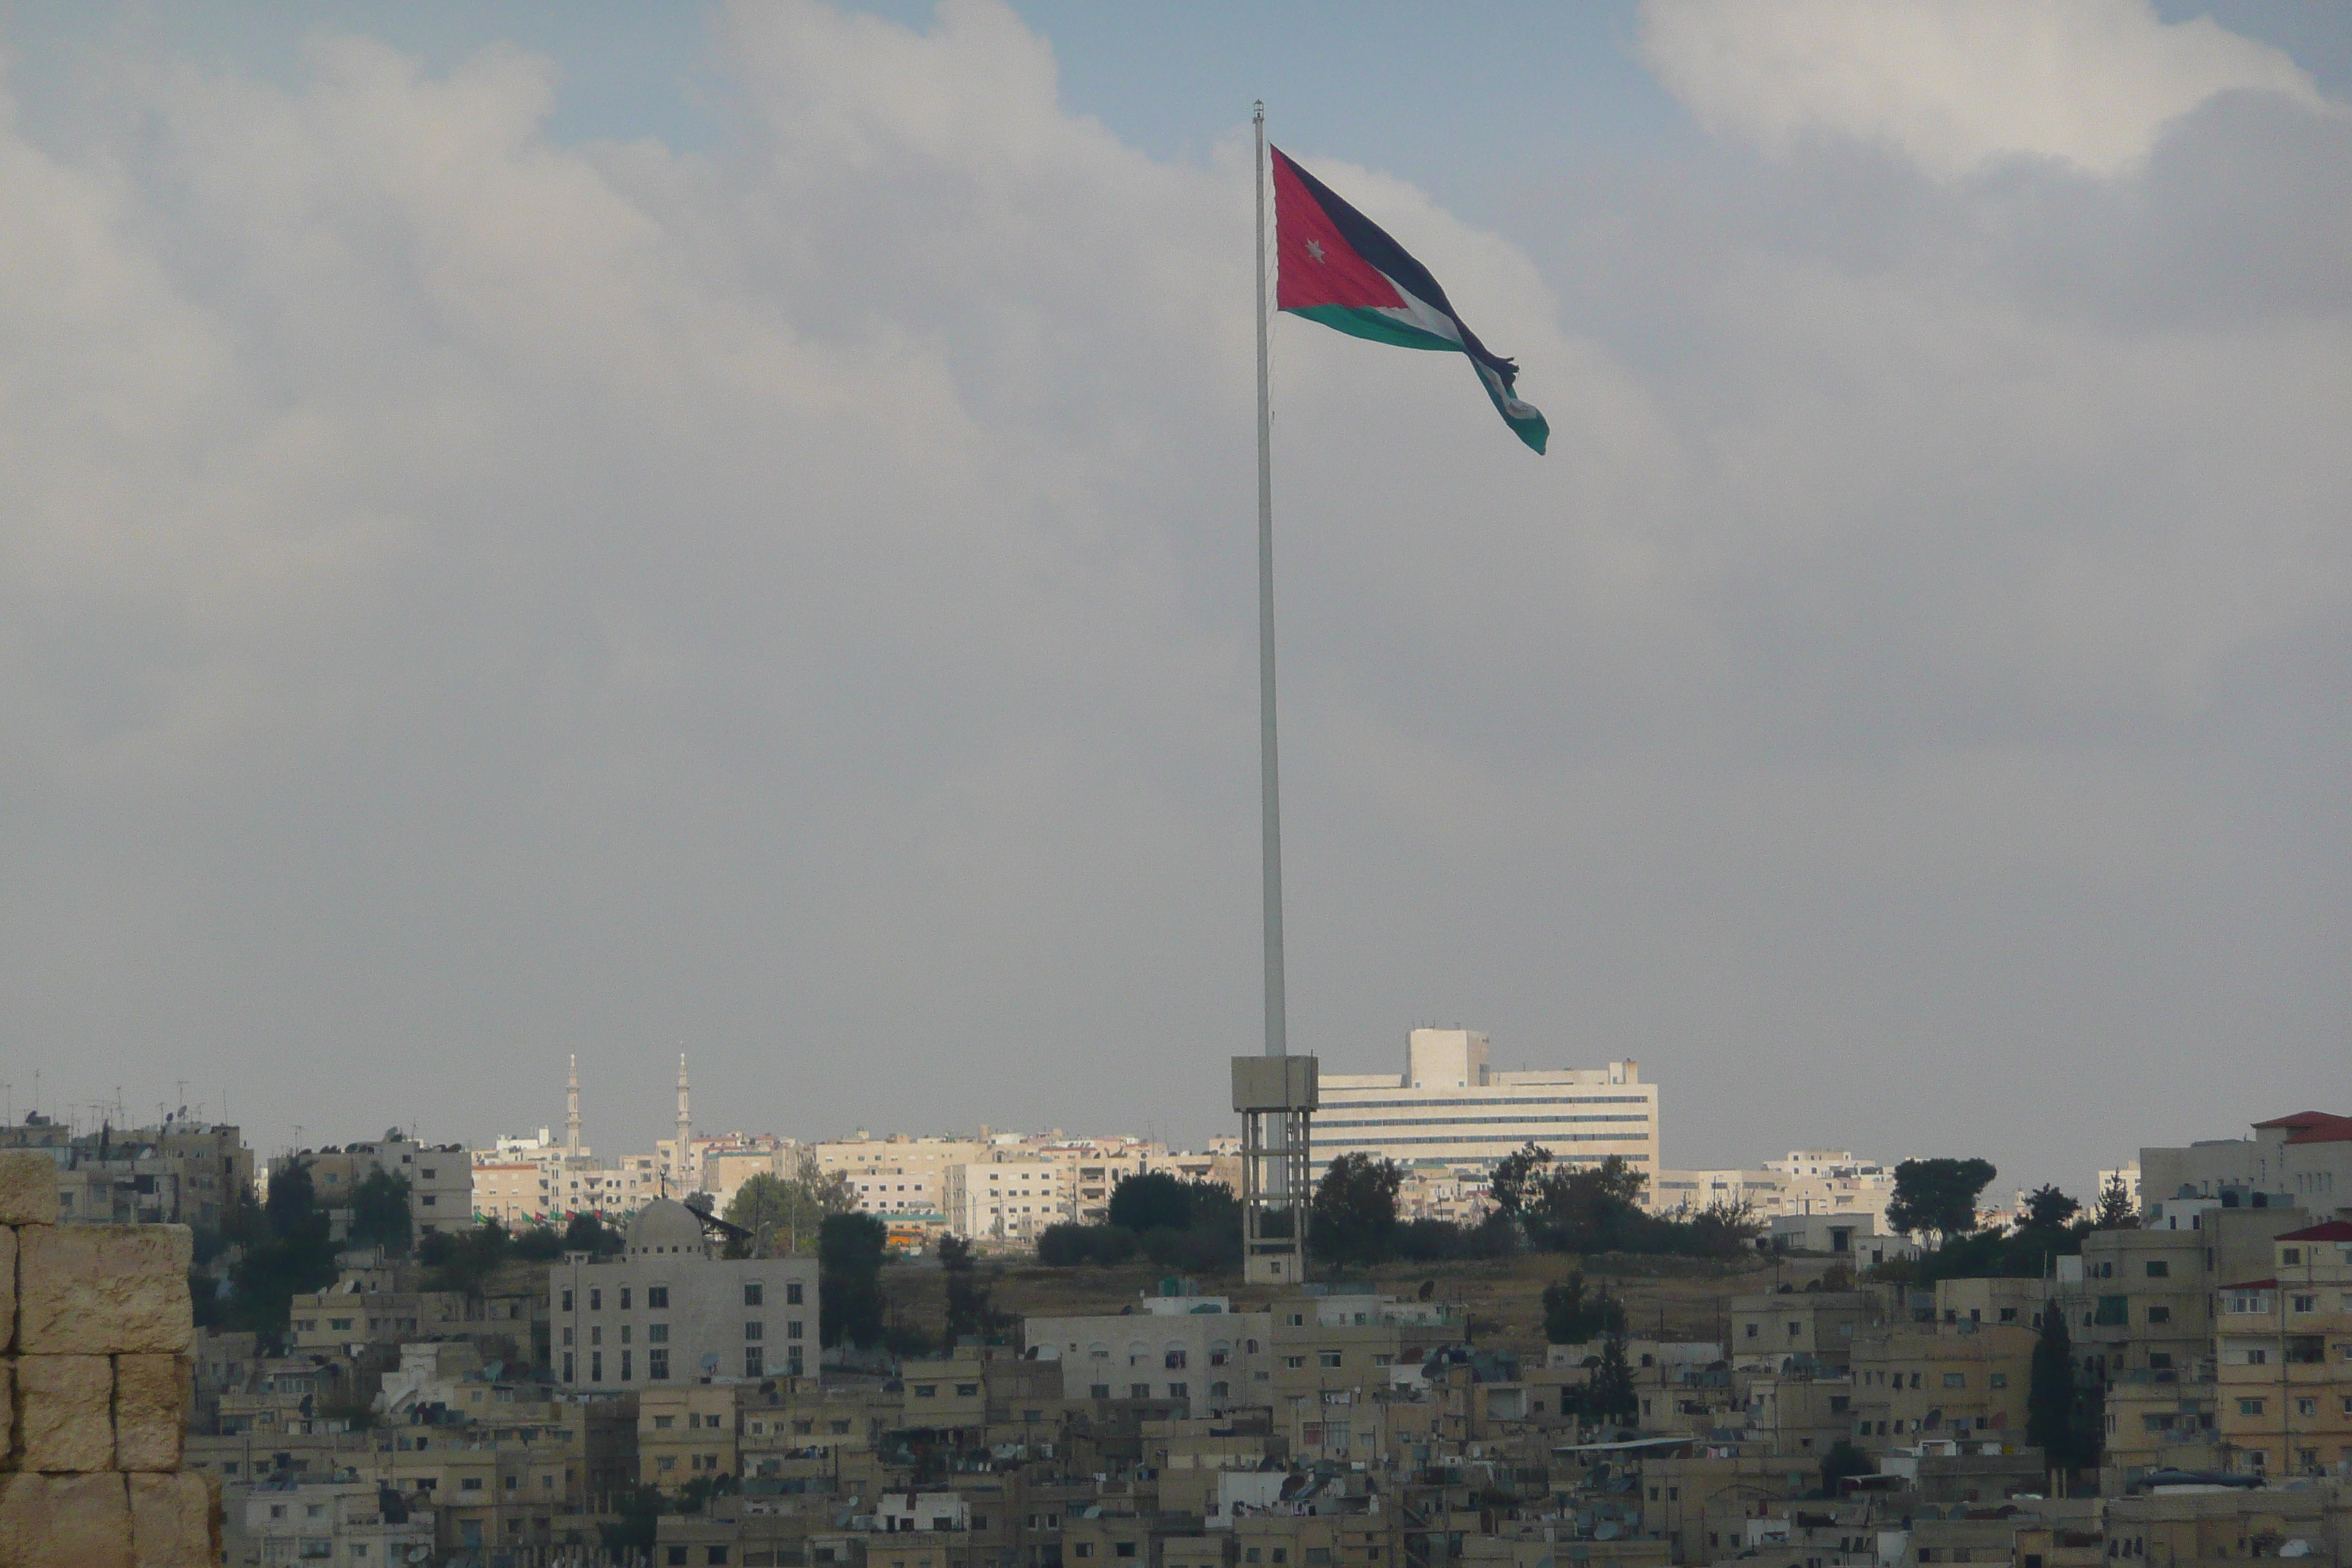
(1269, 763)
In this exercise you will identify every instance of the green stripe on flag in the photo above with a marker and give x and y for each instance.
(1380, 327)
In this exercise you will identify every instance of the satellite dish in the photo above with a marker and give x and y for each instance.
(419, 1553)
(1605, 1531)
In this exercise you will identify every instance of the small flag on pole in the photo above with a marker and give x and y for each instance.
(1338, 266)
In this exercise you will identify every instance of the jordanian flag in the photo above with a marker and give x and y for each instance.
(1339, 267)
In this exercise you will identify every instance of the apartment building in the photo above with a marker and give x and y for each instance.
(334, 1524)
(2138, 1301)
(1006, 1199)
(1450, 1103)
(1196, 1348)
(686, 1432)
(178, 1172)
(2302, 1161)
(440, 1177)
(1796, 1330)
(666, 1311)
(1835, 1184)
(1914, 1383)
(2283, 1350)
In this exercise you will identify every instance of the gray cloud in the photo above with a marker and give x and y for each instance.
(469, 599)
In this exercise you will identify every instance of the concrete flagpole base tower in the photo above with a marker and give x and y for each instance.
(1275, 1096)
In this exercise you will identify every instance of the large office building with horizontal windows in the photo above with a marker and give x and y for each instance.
(1449, 1105)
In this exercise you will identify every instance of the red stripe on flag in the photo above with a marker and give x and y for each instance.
(1315, 267)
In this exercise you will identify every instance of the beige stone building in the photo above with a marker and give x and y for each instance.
(1191, 1348)
(1796, 1330)
(1964, 1383)
(440, 1177)
(2283, 1343)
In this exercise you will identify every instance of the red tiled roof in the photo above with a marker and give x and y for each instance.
(2253, 1285)
(2334, 1230)
(2311, 1127)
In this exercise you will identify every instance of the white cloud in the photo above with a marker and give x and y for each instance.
(1953, 83)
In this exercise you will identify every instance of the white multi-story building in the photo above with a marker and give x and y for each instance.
(1195, 1348)
(666, 1311)
(338, 1523)
(1005, 1200)
(900, 1175)
(1804, 1182)
(1450, 1104)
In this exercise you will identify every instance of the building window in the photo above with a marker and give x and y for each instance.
(596, 1300)
(1179, 1391)
(656, 1333)
(752, 1292)
(792, 1328)
(754, 1361)
(2157, 1268)
(624, 1297)
(625, 1366)
(595, 1366)
(1955, 1380)
(2250, 1407)
(1997, 1379)
(567, 1367)
(567, 1300)
(2160, 1314)
(657, 1365)
(755, 1330)
(791, 1293)
(1329, 1358)
(657, 1296)
(1139, 1391)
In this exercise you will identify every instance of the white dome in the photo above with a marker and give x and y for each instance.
(666, 1226)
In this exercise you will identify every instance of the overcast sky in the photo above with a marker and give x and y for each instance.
(536, 529)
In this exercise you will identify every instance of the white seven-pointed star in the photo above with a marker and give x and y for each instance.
(1315, 250)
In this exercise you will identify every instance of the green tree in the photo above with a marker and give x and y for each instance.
(2115, 1211)
(2047, 1208)
(380, 1216)
(1574, 1316)
(851, 1248)
(1610, 1394)
(1068, 1246)
(1844, 1459)
(1590, 1208)
(1938, 1195)
(288, 1253)
(1151, 1200)
(1355, 1214)
(637, 1509)
(1517, 1179)
(587, 1232)
(463, 1260)
(784, 1212)
(2053, 1402)
(971, 1314)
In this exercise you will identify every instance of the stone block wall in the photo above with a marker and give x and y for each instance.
(95, 1331)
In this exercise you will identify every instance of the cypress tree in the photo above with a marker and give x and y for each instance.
(2050, 1399)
